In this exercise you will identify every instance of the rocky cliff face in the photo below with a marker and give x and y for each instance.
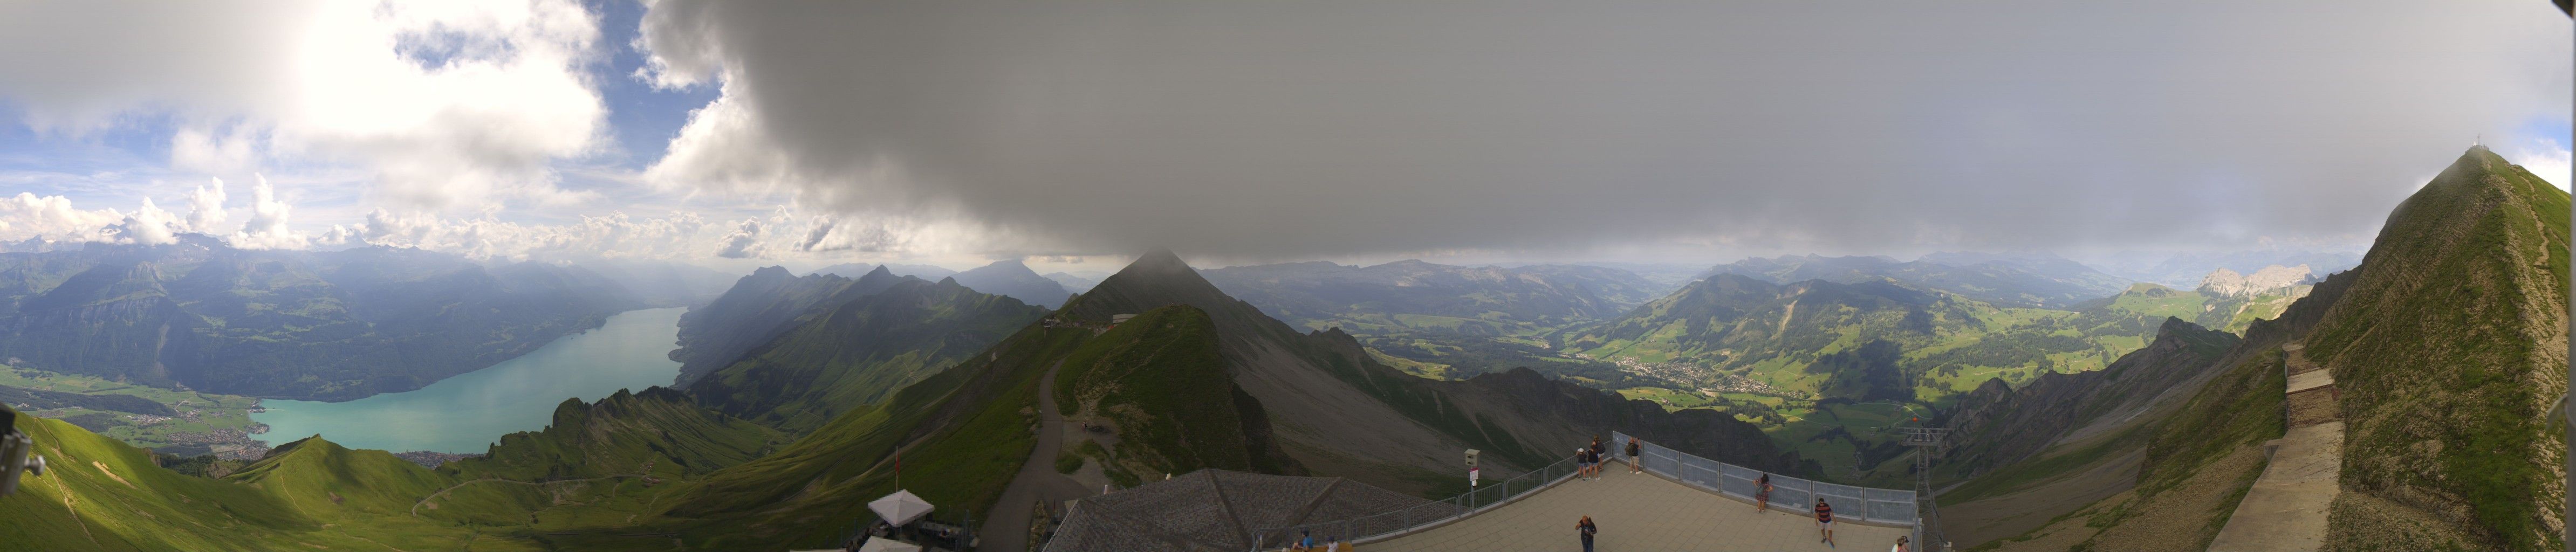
(2271, 280)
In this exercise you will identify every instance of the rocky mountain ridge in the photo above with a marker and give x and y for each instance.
(2275, 279)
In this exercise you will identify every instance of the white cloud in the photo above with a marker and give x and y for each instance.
(149, 225)
(1386, 127)
(201, 150)
(450, 104)
(614, 235)
(2545, 158)
(743, 243)
(206, 207)
(267, 228)
(51, 218)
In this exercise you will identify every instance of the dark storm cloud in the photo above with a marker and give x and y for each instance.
(1289, 129)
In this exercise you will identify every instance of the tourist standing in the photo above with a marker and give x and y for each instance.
(1762, 494)
(1598, 458)
(1582, 463)
(1636, 465)
(1825, 520)
(1586, 528)
(1900, 544)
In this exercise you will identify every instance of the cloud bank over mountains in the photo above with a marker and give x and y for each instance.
(1318, 129)
(860, 129)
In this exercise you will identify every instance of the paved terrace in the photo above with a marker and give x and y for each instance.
(1638, 512)
(2285, 511)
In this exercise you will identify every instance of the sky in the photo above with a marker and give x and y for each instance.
(954, 133)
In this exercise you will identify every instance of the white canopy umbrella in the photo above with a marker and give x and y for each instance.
(900, 508)
(888, 545)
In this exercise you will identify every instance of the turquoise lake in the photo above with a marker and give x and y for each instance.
(468, 412)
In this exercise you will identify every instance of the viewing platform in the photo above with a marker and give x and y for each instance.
(1642, 512)
(1681, 503)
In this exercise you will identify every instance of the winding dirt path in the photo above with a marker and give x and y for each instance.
(1007, 529)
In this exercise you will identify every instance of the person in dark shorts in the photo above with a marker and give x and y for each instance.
(1582, 462)
(1598, 458)
(1762, 494)
(1587, 529)
(1635, 465)
(1595, 463)
(1825, 520)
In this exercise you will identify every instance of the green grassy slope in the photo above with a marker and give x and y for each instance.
(1997, 429)
(960, 435)
(1159, 380)
(657, 432)
(2198, 464)
(2447, 348)
(323, 480)
(101, 494)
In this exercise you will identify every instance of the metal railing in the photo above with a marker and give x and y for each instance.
(1386, 525)
(1883, 506)
(1879, 506)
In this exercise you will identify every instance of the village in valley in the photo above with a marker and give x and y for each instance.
(183, 423)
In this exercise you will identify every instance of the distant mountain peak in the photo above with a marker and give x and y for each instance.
(2269, 280)
(1013, 278)
(1158, 259)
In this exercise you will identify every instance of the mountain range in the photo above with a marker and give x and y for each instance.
(1420, 296)
(758, 308)
(857, 352)
(320, 325)
(2445, 346)
(2010, 280)
(2112, 421)
(1005, 277)
(2186, 269)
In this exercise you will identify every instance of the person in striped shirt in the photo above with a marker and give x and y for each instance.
(1825, 520)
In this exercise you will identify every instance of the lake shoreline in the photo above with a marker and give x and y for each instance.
(464, 414)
